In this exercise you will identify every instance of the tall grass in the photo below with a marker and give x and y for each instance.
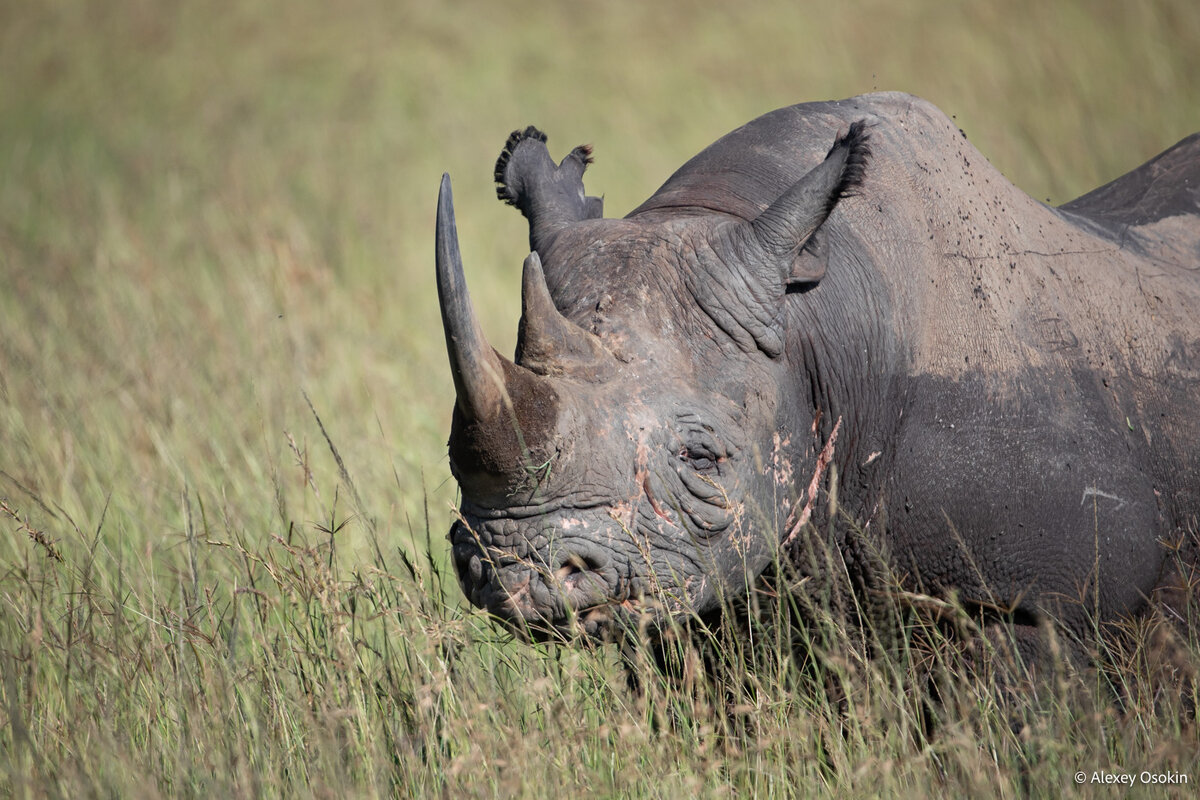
(224, 401)
(269, 668)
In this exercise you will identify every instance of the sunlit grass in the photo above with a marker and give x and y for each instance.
(211, 216)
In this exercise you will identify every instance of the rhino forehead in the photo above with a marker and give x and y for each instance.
(619, 279)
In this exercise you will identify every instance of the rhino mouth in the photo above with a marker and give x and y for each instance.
(540, 594)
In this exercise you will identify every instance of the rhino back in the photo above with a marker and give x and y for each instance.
(978, 276)
(1167, 185)
(744, 171)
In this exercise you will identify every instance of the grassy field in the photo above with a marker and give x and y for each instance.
(224, 398)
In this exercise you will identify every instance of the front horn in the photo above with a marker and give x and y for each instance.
(506, 414)
(479, 371)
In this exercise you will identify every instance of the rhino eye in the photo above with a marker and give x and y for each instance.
(700, 456)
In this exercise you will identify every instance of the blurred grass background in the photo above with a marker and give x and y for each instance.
(208, 210)
(205, 207)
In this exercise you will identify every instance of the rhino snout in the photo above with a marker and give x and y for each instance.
(568, 588)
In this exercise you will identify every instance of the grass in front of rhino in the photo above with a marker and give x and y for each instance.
(267, 668)
(207, 213)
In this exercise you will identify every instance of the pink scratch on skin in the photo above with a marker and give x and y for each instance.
(519, 599)
(782, 468)
(653, 503)
(822, 463)
(619, 512)
(642, 478)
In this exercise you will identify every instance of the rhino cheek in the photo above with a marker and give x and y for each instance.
(705, 503)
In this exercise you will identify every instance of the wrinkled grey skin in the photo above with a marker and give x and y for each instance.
(1016, 388)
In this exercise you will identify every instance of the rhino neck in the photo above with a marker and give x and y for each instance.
(844, 360)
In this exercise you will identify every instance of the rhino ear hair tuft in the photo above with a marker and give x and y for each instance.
(583, 154)
(504, 190)
(856, 144)
(785, 230)
(549, 195)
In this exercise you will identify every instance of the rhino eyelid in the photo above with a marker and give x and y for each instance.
(700, 456)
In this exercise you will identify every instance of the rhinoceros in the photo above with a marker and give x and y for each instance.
(1008, 392)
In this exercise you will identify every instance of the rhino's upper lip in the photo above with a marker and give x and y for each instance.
(591, 615)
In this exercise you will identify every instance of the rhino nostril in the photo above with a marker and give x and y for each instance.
(572, 563)
(580, 573)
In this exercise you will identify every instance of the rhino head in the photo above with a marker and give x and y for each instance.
(618, 467)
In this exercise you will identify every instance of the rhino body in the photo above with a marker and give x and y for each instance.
(1009, 392)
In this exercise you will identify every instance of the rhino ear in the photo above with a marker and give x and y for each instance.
(783, 233)
(549, 195)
